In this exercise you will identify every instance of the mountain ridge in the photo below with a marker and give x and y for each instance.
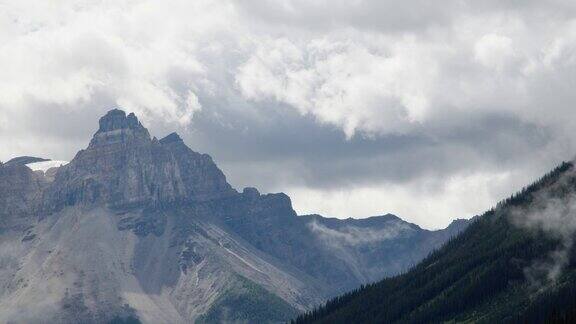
(515, 264)
(136, 227)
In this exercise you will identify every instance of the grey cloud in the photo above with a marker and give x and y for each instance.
(324, 158)
(391, 15)
(310, 95)
(372, 15)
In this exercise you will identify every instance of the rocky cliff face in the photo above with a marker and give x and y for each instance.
(135, 227)
(124, 167)
(20, 189)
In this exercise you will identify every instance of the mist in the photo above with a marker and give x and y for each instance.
(552, 212)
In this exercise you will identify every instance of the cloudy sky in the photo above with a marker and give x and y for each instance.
(354, 108)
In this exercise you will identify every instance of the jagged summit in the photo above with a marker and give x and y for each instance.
(117, 127)
(171, 138)
(117, 119)
(124, 166)
(251, 191)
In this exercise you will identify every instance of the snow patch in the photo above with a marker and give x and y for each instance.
(46, 165)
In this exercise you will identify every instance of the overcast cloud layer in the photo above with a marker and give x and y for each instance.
(355, 108)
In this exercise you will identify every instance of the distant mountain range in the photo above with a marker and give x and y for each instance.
(136, 229)
(515, 264)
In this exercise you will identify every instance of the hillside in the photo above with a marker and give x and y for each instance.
(516, 263)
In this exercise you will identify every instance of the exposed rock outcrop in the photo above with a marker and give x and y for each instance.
(20, 190)
(123, 167)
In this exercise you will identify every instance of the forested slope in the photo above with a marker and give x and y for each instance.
(516, 263)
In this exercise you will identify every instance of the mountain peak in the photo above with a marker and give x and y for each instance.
(116, 119)
(171, 138)
(116, 126)
(124, 166)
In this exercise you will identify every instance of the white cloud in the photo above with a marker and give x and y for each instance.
(343, 82)
(494, 51)
(64, 55)
(429, 203)
(350, 235)
(379, 84)
(148, 57)
(446, 74)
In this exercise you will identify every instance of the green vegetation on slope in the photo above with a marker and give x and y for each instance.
(246, 302)
(479, 276)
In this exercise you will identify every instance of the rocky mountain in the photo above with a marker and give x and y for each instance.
(136, 229)
(515, 264)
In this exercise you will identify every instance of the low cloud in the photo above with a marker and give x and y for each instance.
(352, 235)
(554, 213)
